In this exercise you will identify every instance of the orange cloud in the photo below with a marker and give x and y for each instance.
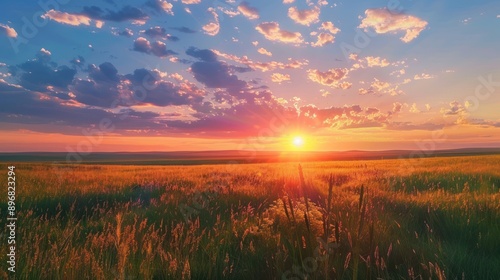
(369, 61)
(9, 31)
(332, 77)
(329, 26)
(190, 2)
(211, 28)
(272, 31)
(304, 17)
(263, 66)
(249, 12)
(384, 21)
(380, 87)
(323, 39)
(279, 78)
(166, 7)
(71, 19)
(264, 52)
(423, 76)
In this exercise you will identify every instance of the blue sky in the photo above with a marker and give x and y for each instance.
(222, 69)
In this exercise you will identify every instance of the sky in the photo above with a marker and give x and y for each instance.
(167, 75)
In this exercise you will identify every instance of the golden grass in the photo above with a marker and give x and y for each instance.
(433, 218)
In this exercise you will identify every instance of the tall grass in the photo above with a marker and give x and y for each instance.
(324, 220)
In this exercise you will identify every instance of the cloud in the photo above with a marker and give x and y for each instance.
(191, 2)
(8, 31)
(39, 73)
(264, 52)
(369, 61)
(44, 55)
(165, 93)
(272, 32)
(263, 66)
(346, 117)
(423, 76)
(204, 55)
(126, 32)
(38, 112)
(329, 26)
(288, 1)
(159, 32)
(71, 19)
(127, 13)
(304, 17)
(184, 29)
(212, 28)
(78, 62)
(396, 107)
(323, 39)
(380, 87)
(279, 78)
(333, 77)
(414, 108)
(101, 89)
(213, 73)
(161, 5)
(384, 21)
(157, 48)
(249, 12)
(456, 108)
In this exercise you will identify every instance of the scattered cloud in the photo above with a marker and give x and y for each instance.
(191, 2)
(455, 108)
(248, 11)
(414, 108)
(156, 48)
(329, 26)
(323, 39)
(158, 32)
(263, 66)
(423, 76)
(368, 62)
(126, 32)
(380, 87)
(8, 31)
(279, 78)
(264, 52)
(212, 28)
(126, 13)
(384, 21)
(333, 77)
(71, 19)
(184, 29)
(273, 32)
(161, 5)
(304, 17)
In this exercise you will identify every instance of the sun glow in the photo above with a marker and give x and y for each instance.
(298, 141)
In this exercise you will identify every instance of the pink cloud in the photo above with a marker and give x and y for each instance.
(384, 21)
(272, 31)
(9, 31)
(249, 12)
(304, 17)
(332, 77)
(71, 19)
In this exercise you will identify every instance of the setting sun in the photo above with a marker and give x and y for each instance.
(298, 141)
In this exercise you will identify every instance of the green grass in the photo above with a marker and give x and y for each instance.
(438, 219)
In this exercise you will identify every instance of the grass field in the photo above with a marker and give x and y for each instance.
(434, 218)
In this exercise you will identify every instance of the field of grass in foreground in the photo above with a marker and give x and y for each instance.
(435, 218)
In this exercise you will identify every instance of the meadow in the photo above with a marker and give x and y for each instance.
(432, 218)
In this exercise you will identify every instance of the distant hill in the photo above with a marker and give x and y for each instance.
(232, 156)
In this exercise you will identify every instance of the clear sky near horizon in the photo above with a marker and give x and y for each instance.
(158, 75)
